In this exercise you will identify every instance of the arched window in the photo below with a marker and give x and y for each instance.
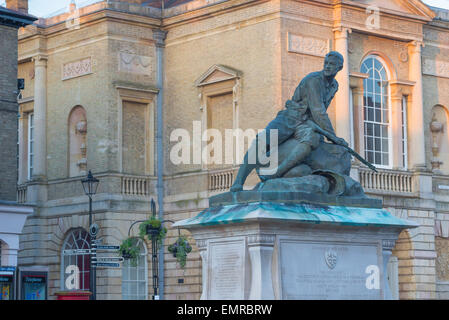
(135, 276)
(76, 239)
(376, 112)
(77, 142)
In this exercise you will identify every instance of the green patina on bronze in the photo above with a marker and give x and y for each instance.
(296, 213)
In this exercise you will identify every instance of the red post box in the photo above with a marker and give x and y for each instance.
(74, 295)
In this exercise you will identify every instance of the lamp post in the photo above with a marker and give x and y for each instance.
(90, 185)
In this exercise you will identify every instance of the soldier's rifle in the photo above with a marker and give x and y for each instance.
(337, 141)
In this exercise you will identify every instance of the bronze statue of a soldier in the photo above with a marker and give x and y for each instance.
(305, 120)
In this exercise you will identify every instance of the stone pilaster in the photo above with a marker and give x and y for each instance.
(396, 126)
(260, 247)
(416, 120)
(37, 190)
(202, 247)
(40, 118)
(343, 124)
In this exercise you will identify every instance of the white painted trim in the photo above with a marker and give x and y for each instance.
(30, 115)
(404, 131)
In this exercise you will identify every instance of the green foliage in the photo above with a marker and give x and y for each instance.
(180, 249)
(156, 224)
(129, 250)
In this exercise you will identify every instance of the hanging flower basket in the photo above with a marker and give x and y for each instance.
(129, 250)
(152, 229)
(180, 249)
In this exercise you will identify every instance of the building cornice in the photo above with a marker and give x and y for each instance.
(422, 12)
(203, 12)
(15, 19)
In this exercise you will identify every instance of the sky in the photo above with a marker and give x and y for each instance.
(43, 8)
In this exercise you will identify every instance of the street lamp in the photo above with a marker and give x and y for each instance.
(90, 185)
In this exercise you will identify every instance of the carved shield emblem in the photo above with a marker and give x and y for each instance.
(330, 256)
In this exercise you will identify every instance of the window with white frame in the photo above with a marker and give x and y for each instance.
(376, 112)
(135, 275)
(30, 145)
(404, 133)
(76, 239)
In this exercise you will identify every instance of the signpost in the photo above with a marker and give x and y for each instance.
(7, 271)
(78, 251)
(110, 259)
(108, 247)
(107, 262)
(108, 265)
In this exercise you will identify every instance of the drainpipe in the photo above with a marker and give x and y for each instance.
(159, 37)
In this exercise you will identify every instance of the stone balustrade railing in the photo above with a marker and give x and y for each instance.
(22, 194)
(135, 185)
(386, 181)
(221, 180)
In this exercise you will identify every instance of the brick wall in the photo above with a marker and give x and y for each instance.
(8, 113)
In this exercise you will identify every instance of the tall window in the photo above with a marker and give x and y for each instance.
(135, 276)
(77, 239)
(404, 133)
(30, 145)
(376, 112)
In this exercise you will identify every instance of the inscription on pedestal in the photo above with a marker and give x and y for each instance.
(327, 271)
(227, 270)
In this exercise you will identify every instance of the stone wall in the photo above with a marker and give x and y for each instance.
(108, 67)
(8, 112)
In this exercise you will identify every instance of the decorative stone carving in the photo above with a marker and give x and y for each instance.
(78, 142)
(130, 62)
(331, 258)
(351, 48)
(81, 127)
(403, 55)
(307, 45)
(77, 69)
(201, 244)
(437, 129)
(388, 244)
(261, 239)
(436, 68)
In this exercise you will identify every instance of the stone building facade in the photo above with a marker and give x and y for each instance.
(12, 214)
(94, 76)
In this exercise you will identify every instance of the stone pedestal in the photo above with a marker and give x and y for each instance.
(286, 250)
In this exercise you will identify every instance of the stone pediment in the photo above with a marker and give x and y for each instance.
(406, 7)
(217, 73)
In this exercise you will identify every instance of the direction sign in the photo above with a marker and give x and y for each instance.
(108, 247)
(110, 259)
(108, 264)
(78, 251)
(7, 271)
(98, 241)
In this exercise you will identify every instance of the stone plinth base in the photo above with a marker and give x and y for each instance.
(270, 250)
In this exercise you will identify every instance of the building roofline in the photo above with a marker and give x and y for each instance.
(14, 18)
(441, 13)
